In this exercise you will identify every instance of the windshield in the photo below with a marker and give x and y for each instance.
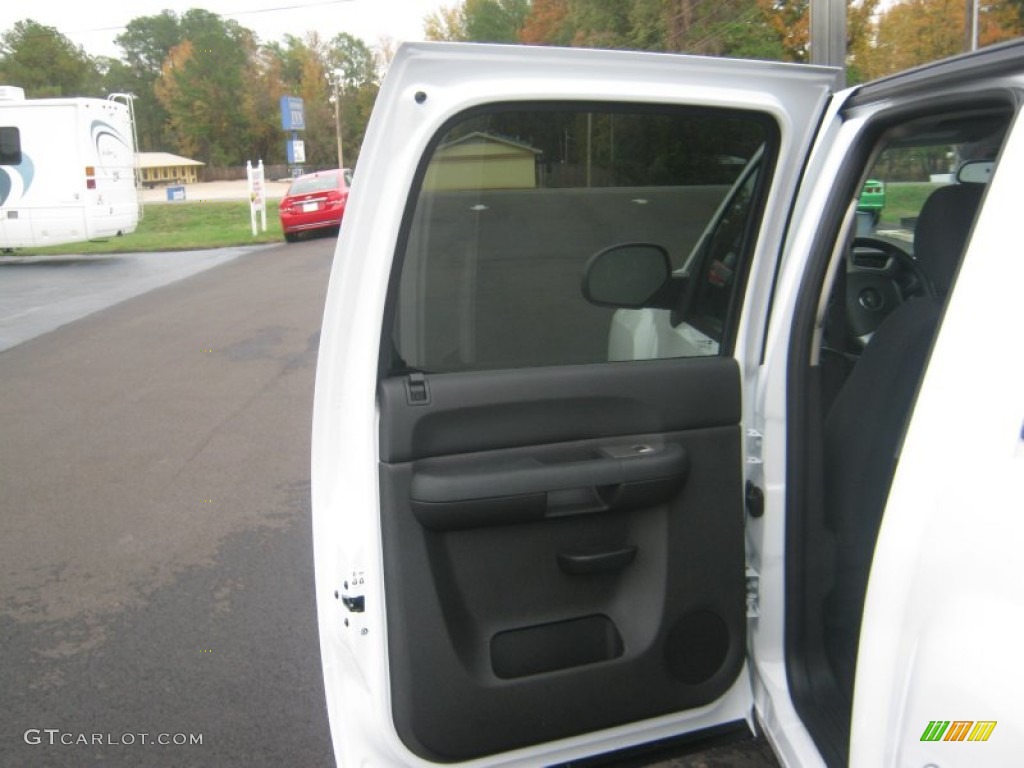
(320, 182)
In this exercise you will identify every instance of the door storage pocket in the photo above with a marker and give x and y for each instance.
(560, 645)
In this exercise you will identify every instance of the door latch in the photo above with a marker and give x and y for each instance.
(354, 603)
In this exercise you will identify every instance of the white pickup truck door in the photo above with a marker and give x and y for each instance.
(526, 553)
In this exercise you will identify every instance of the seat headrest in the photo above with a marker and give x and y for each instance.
(942, 229)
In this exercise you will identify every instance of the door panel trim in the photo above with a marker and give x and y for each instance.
(471, 412)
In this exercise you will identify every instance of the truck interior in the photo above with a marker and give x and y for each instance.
(867, 334)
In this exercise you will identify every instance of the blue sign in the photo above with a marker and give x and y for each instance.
(293, 114)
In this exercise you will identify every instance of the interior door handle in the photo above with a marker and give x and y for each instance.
(618, 477)
(581, 563)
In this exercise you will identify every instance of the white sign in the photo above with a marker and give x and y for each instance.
(257, 195)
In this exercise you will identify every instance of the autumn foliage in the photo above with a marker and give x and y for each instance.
(882, 38)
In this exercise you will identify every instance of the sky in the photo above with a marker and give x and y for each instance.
(94, 25)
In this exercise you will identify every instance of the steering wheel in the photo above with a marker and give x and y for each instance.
(876, 286)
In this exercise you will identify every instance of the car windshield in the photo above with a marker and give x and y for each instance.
(319, 182)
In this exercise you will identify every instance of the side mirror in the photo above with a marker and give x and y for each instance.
(630, 276)
(975, 172)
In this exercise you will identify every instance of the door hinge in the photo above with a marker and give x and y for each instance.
(755, 441)
(753, 593)
(417, 389)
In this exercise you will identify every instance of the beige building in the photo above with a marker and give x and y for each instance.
(157, 168)
(483, 161)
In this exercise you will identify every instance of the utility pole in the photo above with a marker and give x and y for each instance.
(971, 42)
(337, 76)
(828, 33)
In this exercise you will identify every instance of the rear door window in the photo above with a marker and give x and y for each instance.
(514, 201)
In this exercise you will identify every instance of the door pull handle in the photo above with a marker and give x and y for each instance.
(581, 563)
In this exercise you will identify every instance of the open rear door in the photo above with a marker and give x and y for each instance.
(528, 458)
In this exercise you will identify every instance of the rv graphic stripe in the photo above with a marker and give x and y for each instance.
(16, 179)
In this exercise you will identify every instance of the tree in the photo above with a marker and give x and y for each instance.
(351, 55)
(790, 19)
(262, 88)
(860, 39)
(727, 28)
(308, 70)
(735, 28)
(495, 21)
(202, 84)
(599, 23)
(481, 21)
(145, 44)
(546, 24)
(45, 63)
(357, 88)
(446, 24)
(913, 32)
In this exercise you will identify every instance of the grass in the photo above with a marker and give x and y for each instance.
(904, 199)
(181, 227)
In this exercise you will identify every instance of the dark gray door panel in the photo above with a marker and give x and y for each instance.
(532, 406)
(541, 585)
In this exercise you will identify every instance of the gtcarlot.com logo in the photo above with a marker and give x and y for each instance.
(958, 730)
(56, 737)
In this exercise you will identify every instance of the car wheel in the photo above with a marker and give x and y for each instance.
(291, 237)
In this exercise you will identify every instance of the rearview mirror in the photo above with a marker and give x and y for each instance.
(975, 172)
(629, 276)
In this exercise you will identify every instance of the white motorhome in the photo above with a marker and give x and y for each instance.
(67, 169)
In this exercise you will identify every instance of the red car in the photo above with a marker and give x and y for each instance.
(314, 201)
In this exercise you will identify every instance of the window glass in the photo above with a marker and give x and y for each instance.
(320, 182)
(907, 172)
(10, 146)
(515, 202)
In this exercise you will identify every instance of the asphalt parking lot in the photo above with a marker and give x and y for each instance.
(156, 568)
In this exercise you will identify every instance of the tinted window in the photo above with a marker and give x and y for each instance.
(321, 182)
(10, 146)
(514, 202)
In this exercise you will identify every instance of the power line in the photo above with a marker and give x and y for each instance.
(718, 10)
(273, 9)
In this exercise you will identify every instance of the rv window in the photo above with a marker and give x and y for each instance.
(10, 146)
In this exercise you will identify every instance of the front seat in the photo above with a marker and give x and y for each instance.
(864, 427)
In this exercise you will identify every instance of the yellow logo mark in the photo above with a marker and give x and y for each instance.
(982, 730)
